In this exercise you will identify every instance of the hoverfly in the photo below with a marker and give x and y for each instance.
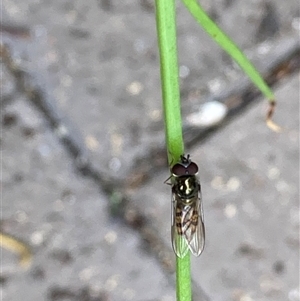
(187, 213)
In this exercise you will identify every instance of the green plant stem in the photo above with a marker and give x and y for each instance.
(229, 46)
(183, 278)
(166, 33)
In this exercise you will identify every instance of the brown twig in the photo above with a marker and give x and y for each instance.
(270, 123)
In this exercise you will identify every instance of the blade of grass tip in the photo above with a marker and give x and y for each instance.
(228, 45)
(166, 33)
(233, 50)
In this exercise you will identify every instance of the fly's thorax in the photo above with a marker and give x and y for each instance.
(186, 187)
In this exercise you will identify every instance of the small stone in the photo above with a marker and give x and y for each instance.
(37, 238)
(21, 217)
(230, 210)
(294, 295)
(210, 114)
(233, 184)
(217, 183)
(91, 142)
(155, 115)
(296, 23)
(86, 274)
(184, 71)
(135, 88)
(115, 164)
(273, 173)
(112, 282)
(111, 237)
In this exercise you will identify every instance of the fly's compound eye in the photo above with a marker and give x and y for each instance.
(179, 170)
(192, 169)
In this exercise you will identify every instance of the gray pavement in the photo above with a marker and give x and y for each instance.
(96, 66)
(79, 253)
(250, 188)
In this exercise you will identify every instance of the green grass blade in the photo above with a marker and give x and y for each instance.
(166, 33)
(229, 46)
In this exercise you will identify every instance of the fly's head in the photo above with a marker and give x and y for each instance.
(185, 181)
(185, 167)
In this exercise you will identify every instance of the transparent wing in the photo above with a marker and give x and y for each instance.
(195, 234)
(179, 242)
(188, 227)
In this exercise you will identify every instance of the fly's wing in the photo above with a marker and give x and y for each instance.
(179, 243)
(195, 233)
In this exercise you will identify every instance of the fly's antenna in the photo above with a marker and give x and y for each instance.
(184, 159)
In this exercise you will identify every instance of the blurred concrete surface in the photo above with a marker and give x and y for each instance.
(79, 253)
(250, 189)
(99, 63)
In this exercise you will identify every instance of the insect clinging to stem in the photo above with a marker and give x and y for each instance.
(187, 229)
